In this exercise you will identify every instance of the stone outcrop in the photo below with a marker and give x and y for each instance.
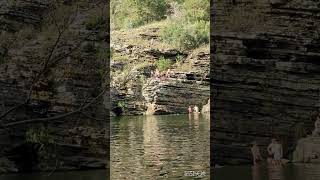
(265, 74)
(173, 96)
(307, 150)
(74, 78)
(17, 14)
(135, 91)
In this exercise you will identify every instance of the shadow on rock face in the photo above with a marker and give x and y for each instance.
(117, 111)
(25, 156)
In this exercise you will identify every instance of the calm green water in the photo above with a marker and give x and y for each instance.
(148, 147)
(287, 172)
(160, 147)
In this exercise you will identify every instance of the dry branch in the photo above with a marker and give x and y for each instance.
(55, 117)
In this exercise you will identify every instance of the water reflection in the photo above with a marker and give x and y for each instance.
(288, 172)
(275, 172)
(256, 172)
(154, 147)
(308, 171)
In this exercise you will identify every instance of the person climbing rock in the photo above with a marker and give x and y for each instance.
(168, 73)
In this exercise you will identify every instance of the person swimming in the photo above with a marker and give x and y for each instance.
(196, 109)
(190, 109)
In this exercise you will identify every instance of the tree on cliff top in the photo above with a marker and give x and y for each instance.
(191, 28)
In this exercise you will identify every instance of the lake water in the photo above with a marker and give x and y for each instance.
(168, 147)
(160, 147)
(148, 147)
(71, 175)
(287, 172)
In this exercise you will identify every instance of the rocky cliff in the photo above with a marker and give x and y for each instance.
(53, 100)
(265, 73)
(134, 88)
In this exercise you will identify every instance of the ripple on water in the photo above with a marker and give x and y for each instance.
(159, 147)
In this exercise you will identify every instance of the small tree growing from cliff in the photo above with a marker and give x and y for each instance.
(163, 64)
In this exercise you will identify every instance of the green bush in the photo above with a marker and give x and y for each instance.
(95, 22)
(195, 30)
(163, 64)
(186, 36)
(134, 13)
(39, 135)
(122, 105)
(196, 10)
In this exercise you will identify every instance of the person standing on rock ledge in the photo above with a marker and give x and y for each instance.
(255, 150)
(275, 150)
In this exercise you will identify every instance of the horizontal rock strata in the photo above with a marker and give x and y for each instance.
(265, 74)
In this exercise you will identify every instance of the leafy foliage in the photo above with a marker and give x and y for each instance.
(163, 64)
(188, 36)
(134, 13)
(196, 29)
(39, 136)
(196, 10)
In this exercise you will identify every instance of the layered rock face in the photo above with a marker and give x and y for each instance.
(265, 74)
(134, 88)
(68, 106)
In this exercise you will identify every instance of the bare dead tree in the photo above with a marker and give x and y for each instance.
(58, 116)
(50, 62)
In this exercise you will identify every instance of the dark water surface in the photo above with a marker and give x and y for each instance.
(160, 147)
(287, 172)
(148, 147)
(71, 175)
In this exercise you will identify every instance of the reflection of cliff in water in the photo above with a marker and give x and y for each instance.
(148, 147)
(308, 171)
(262, 172)
(275, 173)
(290, 172)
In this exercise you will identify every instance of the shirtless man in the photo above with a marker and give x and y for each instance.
(316, 131)
(168, 73)
(190, 109)
(196, 109)
(275, 150)
(255, 150)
